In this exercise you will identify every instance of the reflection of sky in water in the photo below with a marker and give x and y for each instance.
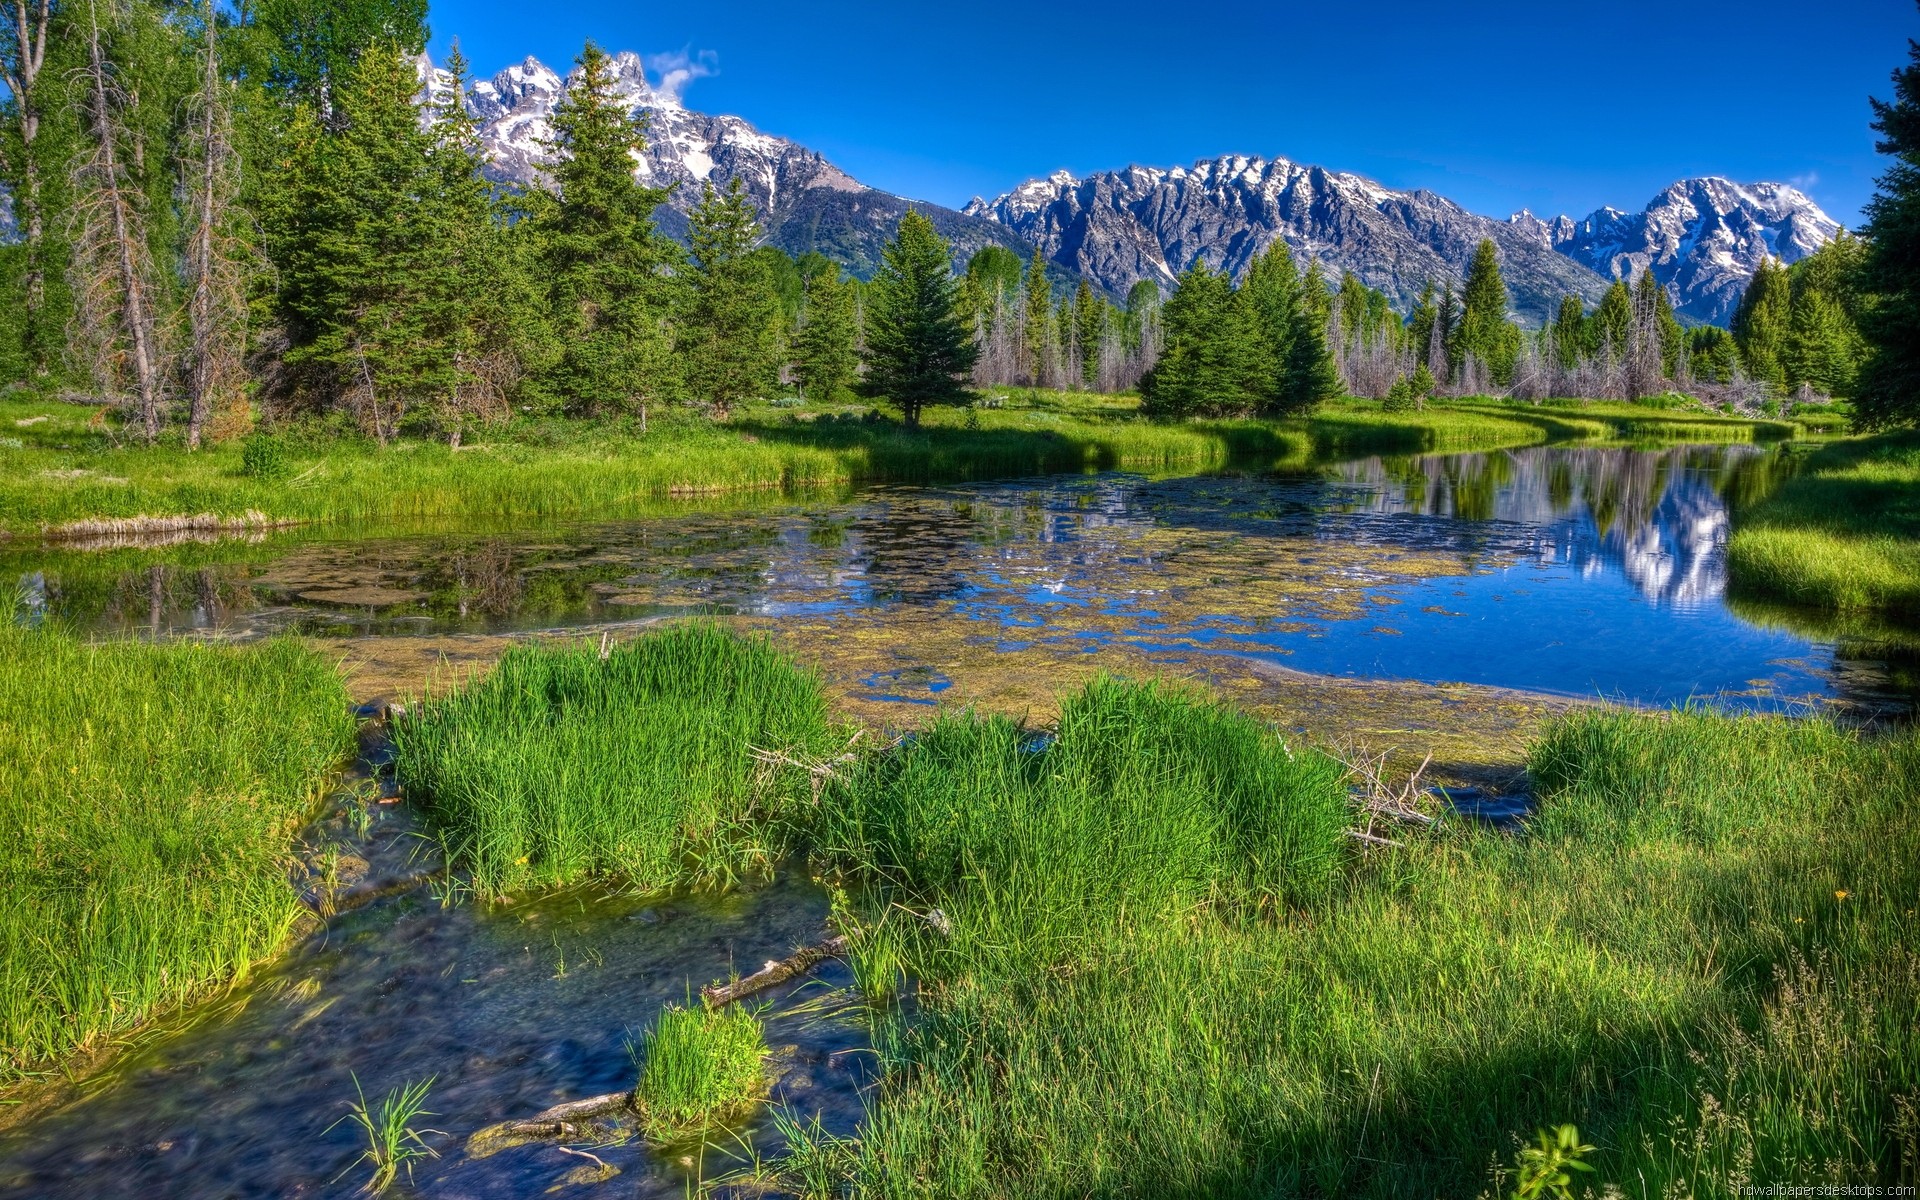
(1575, 570)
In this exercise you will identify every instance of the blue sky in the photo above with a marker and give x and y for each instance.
(1557, 107)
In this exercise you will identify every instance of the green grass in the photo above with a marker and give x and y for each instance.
(393, 1144)
(699, 1068)
(1161, 967)
(1665, 961)
(636, 767)
(148, 797)
(1843, 534)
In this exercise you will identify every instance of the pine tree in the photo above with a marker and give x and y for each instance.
(315, 44)
(1421, 320)
(1439, 356)
(362, 262)
(1351, 303)
(610, 292)
(731, 337)
(1760, 323)
(919, 348)
(1089, 330)
(1612, 321)
(1570, 333)
(1484, 333)
(475, 292)
(1272, 288)
(825, 360)
(1888, 388)
(1311, 374)
(1039, 329)
(1214, 361)
(1820, 344)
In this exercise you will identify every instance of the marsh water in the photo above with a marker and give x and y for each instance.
(1577, 571)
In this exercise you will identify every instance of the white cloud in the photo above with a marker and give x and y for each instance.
(679, 68)
(1803, 182)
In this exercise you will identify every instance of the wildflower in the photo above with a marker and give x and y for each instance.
(1842, 894)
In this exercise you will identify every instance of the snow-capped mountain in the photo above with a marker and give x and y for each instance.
(1703, 238)
(805, 202)
(1152, 223)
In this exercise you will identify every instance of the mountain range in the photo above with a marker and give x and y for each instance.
(1702, 238)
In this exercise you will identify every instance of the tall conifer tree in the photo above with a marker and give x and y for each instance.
(1760, 323)
(607, 265)
(825, 359)
(731, 338)
(1888, 390)
(919, 349)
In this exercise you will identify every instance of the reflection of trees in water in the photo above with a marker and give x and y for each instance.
(157, 598)
(1660, 516)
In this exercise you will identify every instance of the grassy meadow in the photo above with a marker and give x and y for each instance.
(1148, 958)
(1843, 534)
(148, 798)
(62, 465)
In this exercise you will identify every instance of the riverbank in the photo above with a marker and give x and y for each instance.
(148, 799)
(1162, 958)
(64, 471)
(1842, 534)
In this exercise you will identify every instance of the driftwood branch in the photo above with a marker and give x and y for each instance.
(801, 961)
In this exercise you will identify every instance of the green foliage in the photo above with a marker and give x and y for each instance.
(918, 349)
(1089, 326)
(1761, 322)
(314, 46)
(996, 271)
(393, 1143)
(1888, 389)
(148, 798)
(1422, 383)
(1572, 334)
(699, 1068)
(1400, 397)
(1311, 375)
(1038, 333)
(1484, 332)
(1612, 322)
(1544, 1168)
(265, 456)
(1213, 361)
(634, 764)
(605, 263)
(731, 339)
(826, 357)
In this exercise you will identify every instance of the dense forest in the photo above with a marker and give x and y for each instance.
(226, 217)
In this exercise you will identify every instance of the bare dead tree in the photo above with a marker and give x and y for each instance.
(112, 269)
(218, 259)
(23, 55)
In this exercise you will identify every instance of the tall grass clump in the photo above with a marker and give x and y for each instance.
(148, 798)
(635, 764)
(699, 1068)
(1700, 954)
(1843, 534)
(393, 1144)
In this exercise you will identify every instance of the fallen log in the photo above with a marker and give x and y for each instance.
(558, 1121)
(718, 995)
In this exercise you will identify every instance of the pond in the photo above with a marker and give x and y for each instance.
(1570, 572)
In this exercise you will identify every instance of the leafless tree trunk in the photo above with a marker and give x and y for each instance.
(112, 269)
(23, 54)
(216, 260)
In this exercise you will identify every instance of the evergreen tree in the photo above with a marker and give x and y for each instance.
(1421, 320)
(1039, 330)
(610, 292)
(919, 348)
(1888, 389)
(1712, 354)
(825, 359)
(1484, 331)
(1143, 305)
(1652, 295)
(1760, 323)
(730, 340)
(1214, 362)
(1311, 374)
(25, 30)
(1351, 303)
(314, 44)
(1089, 329)
(1821, 345)
(1272, 290)
(1570, 333)
(1612, 321)
(1439, 356)
(362, 263)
